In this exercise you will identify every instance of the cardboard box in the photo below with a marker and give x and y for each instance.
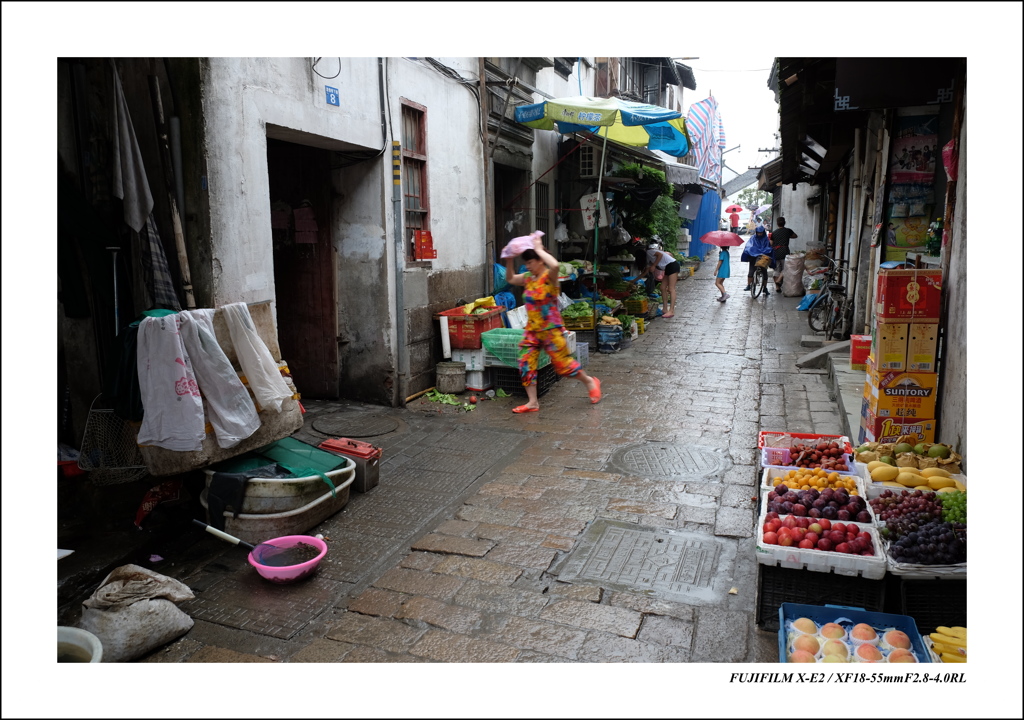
(889, 345)
(921, 347)
(912, 295)
(887, 430)
(895, 394)
(860, 347)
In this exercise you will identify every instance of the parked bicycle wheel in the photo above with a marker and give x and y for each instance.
(820, 311)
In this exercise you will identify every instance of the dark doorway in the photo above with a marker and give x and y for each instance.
(512, 210)
(305, 262)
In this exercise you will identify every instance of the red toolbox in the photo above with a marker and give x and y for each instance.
(363, 454)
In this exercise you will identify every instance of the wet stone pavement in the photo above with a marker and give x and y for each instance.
(616, 532)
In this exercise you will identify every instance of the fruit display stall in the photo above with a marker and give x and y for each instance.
(879, 529)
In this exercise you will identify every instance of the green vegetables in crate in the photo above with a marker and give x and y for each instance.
(627, 321)
(578, 310)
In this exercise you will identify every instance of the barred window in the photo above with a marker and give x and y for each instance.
(414, 171)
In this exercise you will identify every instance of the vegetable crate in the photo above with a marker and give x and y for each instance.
(509, 380)
(848, 617)
(584, 322)
(776, 586)
(637, 307)
(934, 602)
(465, 330)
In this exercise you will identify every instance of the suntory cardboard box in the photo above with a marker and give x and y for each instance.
(887, 430)
(891, 393)
(912, 295)
(921, 347)
(889, 345)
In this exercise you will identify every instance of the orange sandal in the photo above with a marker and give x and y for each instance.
(525, 409)
(595, 394)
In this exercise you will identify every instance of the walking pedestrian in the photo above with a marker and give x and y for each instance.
(759, 244)
(662, 266)
(721, 273)
(780, 247)
(734, 221)
(544, 328)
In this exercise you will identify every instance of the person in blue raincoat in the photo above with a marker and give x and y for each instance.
(758, 244)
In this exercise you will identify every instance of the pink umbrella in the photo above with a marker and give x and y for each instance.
(734, 208)
(721, 238)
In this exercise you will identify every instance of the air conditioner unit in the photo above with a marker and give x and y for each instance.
(588, 161)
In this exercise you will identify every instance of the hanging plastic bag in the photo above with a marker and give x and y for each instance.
(561, 233)
(260, 368)
(500, 281)
(482, 303)
(173, 417)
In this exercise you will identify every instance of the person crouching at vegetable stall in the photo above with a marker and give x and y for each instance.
(544, 328)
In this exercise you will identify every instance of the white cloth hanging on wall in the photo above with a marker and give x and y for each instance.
(232, 412)
(260, 368)
(170, 395)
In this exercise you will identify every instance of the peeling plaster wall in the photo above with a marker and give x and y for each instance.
(248, 99)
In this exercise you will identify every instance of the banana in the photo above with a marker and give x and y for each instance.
(943, 648)
(955, 631)
(950, 658)
(944, 639)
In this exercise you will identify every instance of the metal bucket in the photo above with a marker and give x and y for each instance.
(451, 377)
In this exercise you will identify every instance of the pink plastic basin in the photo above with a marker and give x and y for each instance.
(291, 573)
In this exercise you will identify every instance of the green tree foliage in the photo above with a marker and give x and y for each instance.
(753, 199)
(661, 218)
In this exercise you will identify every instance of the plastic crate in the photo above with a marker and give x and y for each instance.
(509, 380)
(776, 586)
(479, 380)
(465, 330)
(585, 322)
(821, 561)
(777, 458)
(782, 439)
(934, 602)
(586, 337)
(637, 307)
(848, 616)
(582, 354)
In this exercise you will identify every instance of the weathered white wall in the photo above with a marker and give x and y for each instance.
(801, 218)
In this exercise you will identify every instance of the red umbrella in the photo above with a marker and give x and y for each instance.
(734, 209)
(721, 238)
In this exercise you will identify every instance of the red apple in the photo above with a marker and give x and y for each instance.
(786, 540)
(799, 533)
(771, 538)
(804, 522)
(815, 528)
(825, 523)
(789, 522)
(868, 553)
(864, 535)
(843, 547)
(824, 544)
(799, 510)
(841, 527)
(812, 536)
(806, 544)
(836, 537)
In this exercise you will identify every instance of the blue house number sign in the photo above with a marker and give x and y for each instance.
(332, 96)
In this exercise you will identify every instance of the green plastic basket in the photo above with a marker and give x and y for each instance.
(503, 343)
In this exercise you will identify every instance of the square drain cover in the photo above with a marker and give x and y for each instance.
(670, 564)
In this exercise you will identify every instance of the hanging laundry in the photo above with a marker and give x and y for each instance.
(260, 368)
(170, 395)
(231, 410)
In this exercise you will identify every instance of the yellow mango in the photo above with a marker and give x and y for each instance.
(951, 658)
(959, 485)
(935, 472)
(892, 484)
(887, 473)
(909, 469)
(877, 464)
(937, 482)
(911, 479)
(946, 490)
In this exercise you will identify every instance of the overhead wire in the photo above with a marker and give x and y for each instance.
(316, 60)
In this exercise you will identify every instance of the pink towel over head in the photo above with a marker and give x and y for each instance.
(516, 246)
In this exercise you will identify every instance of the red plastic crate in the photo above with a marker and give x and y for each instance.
(771, 438)
(465, 330)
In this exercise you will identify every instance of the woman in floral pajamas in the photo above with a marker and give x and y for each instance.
(544, 328)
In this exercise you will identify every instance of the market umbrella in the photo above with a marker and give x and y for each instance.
(608, 117)
(721, 238)
(734, 209)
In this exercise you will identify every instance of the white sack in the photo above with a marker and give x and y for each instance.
(232, 412)
(260, 368)
(170, 395)
(793, 276)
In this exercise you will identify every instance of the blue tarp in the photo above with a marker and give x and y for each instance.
(707, 220)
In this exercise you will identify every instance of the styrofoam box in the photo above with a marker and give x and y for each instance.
(770, 473)
(474, 359)
(570, 341)
(874, 522)
(794, 558)
(875, 489)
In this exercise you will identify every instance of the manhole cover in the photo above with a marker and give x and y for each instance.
(666, 563)
(354, 425)
(717, 360)
(668, 460)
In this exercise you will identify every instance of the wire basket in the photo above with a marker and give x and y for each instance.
(110, 451)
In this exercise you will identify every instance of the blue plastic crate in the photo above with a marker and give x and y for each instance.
(850, 616)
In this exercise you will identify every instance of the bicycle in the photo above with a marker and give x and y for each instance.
(759, 283)
(822, 305)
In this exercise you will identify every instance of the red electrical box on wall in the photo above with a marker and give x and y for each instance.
(423, 245)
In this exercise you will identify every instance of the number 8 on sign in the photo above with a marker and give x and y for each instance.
(333, 98)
